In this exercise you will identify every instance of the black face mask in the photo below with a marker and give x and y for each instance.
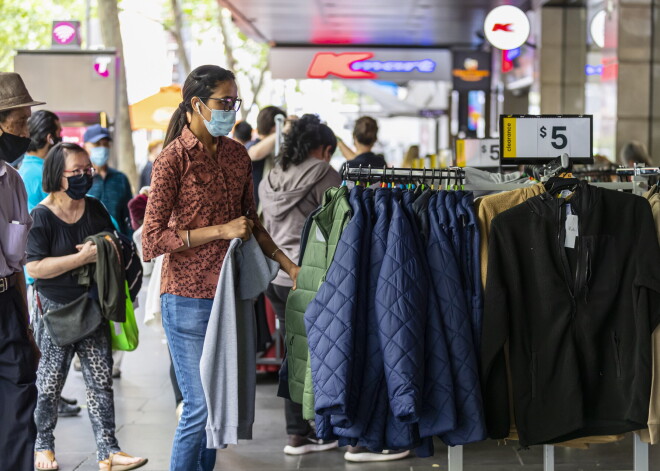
(79, 185)
(12, 146)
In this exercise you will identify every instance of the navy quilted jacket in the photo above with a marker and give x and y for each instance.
(438, 414)
(401, 303)
(334, 318)
(472, 262)
(374, 243)
(447, 281)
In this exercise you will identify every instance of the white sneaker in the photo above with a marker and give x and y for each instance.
(299, 445)
(360, 454)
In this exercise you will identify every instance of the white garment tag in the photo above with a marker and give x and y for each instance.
(571, 231)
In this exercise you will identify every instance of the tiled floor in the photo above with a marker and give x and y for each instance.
(146, 422)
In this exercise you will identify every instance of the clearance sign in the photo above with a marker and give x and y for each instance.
(395, 65)
(534, 139)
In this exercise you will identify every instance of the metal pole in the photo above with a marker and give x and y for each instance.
(455, 458)
(279, 125)
(548, 458)
(641, 454)
(88, 23)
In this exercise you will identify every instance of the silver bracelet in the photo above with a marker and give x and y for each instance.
(273, 254)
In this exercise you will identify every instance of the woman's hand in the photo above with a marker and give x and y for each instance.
(293, 274)
(87, 252)
(240, 228)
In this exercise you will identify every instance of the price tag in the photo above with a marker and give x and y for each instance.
(571, 231)
(535, 139)
(478, 153)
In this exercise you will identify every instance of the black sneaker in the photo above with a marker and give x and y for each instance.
(71, 402)
(67, 410)
(299, 445)
(359, 454)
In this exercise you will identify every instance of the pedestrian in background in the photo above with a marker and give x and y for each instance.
(154, 149)
(289, 194)
(18, 351)
(55, 249)
(365, 136)
(45, 133)
(110, 186)
(242, 132)
(262, 149)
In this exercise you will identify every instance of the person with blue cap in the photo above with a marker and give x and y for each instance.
(110, 185)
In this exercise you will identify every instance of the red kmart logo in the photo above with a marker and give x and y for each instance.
(358, 65)
(503, 27)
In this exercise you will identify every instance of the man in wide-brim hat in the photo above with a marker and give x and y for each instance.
(18, 353)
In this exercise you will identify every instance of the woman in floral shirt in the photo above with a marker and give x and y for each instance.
(201, 198)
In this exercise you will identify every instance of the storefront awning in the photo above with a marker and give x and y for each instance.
(155, 111)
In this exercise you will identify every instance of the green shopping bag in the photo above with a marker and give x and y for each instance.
(125, 335)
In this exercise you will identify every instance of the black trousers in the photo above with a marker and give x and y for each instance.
(18, 392)
(295, 424)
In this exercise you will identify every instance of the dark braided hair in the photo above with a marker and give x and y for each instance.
(306, 134)
(201, 82)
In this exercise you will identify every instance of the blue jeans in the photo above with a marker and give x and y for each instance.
(185, 321)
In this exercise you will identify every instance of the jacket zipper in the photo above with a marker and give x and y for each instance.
(562, 256)
(534, 360)
(578, 273)
(617, 354)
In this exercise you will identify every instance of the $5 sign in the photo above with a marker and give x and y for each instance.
(558, 137)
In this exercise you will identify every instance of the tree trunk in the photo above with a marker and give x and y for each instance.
(229, 54)
(109, 19)
(182, 55)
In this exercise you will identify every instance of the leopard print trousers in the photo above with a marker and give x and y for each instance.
(95, 353)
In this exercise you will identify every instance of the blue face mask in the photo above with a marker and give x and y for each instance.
(99, 156)
(222, 122)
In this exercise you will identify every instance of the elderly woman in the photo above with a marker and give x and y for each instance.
(55, 250)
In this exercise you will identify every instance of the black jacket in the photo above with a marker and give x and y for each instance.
(578, 321)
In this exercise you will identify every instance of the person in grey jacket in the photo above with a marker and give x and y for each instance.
(289, 194)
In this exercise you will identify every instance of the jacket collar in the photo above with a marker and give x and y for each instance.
(584, 198)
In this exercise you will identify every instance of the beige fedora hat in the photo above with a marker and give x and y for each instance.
(13, 93)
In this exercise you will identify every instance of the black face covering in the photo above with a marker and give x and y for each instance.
(12, 146)
(79, 185)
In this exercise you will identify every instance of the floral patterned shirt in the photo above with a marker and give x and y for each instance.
(189, 190)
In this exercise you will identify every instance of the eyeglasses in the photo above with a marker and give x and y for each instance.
(79, 171)
(228, 104)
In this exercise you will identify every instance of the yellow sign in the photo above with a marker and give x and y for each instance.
(509, 130)
(460, 153)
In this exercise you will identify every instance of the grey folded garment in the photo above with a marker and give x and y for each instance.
(474, 176)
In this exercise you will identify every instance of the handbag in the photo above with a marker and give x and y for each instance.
(72, 322)
(125, 335)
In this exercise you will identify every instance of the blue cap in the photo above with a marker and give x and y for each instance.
(95, 133)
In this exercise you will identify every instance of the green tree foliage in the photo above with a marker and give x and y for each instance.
(247, 58)
(26, 24)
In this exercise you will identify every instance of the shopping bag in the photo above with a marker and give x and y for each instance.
(125, 335)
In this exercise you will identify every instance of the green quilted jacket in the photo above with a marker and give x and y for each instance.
(326, 229)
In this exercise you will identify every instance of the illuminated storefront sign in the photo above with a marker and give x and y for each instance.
(352, 65)
(471, 70)
(506, 27)
(66, 33)
(393, 65)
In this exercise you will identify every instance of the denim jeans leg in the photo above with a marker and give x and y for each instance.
(185, 321)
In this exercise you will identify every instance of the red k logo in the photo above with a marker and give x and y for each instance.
(326, 63)
(503, 27)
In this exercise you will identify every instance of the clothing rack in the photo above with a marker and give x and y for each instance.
(457, 175)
